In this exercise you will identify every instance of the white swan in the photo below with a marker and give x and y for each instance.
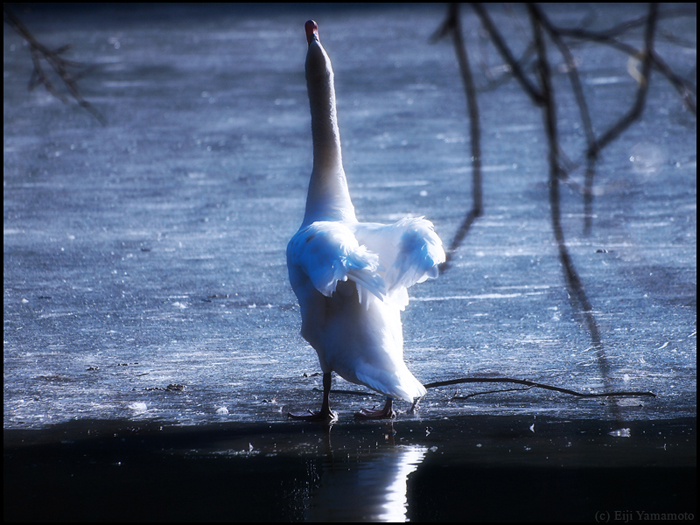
(350, 277)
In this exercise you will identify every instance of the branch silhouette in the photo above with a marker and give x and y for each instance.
(542, 95)
(533, 384)
(453, 27)
(59, 64)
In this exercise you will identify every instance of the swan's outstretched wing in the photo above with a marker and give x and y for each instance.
(419, 254)
(328, 252)
(409, 253)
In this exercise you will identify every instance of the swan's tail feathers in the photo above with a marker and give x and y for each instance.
(398, 297)
(420, 252)
(400, 384)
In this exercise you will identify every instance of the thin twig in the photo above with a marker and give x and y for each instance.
(529, 383)
(505, 70)
(636, 110)
(500, 44)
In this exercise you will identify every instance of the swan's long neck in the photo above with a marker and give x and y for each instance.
(328, 197)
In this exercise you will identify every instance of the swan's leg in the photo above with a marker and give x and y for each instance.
(325, 414)
(385, 413)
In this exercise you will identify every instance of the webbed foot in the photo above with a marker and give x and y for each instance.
(310, 415)
(385, 413)
(325, 414)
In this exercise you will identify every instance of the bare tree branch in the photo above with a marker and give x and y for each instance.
(685, 88)
(649, 57)
(531, 384)
(543, 95)
(636, 110)
(585, 116)
(640, 21)
(576, 289)
(59, 64)
(500, 44)
(453, 26)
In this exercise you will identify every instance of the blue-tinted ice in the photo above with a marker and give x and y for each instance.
(144, 261)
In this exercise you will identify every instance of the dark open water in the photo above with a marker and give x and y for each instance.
(470, 468)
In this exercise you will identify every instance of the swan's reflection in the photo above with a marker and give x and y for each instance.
(371, 488)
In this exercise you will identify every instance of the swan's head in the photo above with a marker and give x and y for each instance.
(311, 31)
(317, 62)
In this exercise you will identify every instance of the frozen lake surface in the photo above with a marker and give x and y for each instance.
(151, 252)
